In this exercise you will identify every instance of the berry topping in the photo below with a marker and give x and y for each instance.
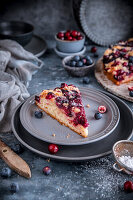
(128, 186)
(37, 98)
(46, 170)
(6, 172)
(130, 88)
(50, 95)
(115, 63)
(17, 148)
(53, 148)
(125, 64)
(131, 59)
(63, 85)
(98, 115)
(131, 93)
(38, 114)
(14, 187)
(102, 109)
(93, 49)
(86, 80)
(131, 68)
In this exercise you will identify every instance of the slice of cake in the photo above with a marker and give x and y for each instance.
(118, 62)
(65, 105)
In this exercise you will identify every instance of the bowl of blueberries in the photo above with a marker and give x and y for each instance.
(70, 41)
(78, 65)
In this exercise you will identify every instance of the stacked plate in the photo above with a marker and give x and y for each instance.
(36, 134)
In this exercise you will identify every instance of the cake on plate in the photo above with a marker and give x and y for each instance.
(118, 62)
(65, 105)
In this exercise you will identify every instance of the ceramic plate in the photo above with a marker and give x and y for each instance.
(37, 46)
(105, 22)
(62, 54)
(76, 153)
(45, 127)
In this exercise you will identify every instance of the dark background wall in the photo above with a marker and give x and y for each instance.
(47, 16)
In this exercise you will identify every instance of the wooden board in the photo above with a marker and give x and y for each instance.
(121, 91)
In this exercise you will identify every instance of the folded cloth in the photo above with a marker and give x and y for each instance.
(16, 69)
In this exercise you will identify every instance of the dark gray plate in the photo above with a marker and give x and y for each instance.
(37, 46)
(106, 22)
(44, 128)
(78, 153)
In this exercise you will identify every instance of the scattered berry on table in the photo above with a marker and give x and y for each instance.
(46, 170)
(14, 187)
(130, 88)
(98, 115)
(86, 80)
(17, 148)
(38, 114)
(102, 109)
(128, 186)
(131, 93)
(93, 50)
(6, 172)
(53, 148)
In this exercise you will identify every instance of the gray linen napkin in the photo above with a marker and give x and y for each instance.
(16, 69)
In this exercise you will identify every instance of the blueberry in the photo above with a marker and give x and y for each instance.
(73, 63)
(46, 170)
(131, 93)
(17, 148)
(88, 57)
(14, 187)
(96, 55)
(6, 172)
(86, 80)
(79, 64)
(98, 115)
(89, 62)
(131, 59)
(76, 58)
(38, 114)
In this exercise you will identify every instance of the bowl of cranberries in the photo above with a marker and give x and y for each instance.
(70, 41)
(78, 65)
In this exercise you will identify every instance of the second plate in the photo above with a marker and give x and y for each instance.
(45, 127)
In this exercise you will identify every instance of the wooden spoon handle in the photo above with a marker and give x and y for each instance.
(14, 161)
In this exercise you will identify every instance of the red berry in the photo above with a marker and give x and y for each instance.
(128, 186)
(93, 50)
(84, 60)
(124, 50)
(60, 35)
(74, 33)
(46, 170)
(102, 109)
(80, 37)
(62, 38)
(130, 88)
(50, 95)
(78, 33)
(67, 34)
(69, 38)
(125, 64)
(53, 148)
(73, 39)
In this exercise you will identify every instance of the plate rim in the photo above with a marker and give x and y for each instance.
(94, 139)
(67, 159)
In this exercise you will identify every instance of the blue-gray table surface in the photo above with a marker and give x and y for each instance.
(91, 180)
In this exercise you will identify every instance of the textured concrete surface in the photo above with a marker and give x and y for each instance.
(92, 180)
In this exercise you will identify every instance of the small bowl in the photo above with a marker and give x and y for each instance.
(76, 71)
(122, 148)
(19, 31)
(69, 46)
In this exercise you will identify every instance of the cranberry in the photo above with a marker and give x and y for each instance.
(62, 38)
(63, 85)
(53, 148)
(78, 33)
(105, 58)
(67, 34)
(120, 72)
(80, 37)
(115, 63)
(131, 68)
(70, 38)
(50, 95)
(130, 88)
(126, 56)
(128, 186)
(93, 50)
(60, 35)
(74, 33)
(73, 39)
(125, 64)
(37, 98)
(102, 109)
(46, 170)
(123, 50)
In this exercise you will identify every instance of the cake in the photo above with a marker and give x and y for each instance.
(65, 105)
(118, 62)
